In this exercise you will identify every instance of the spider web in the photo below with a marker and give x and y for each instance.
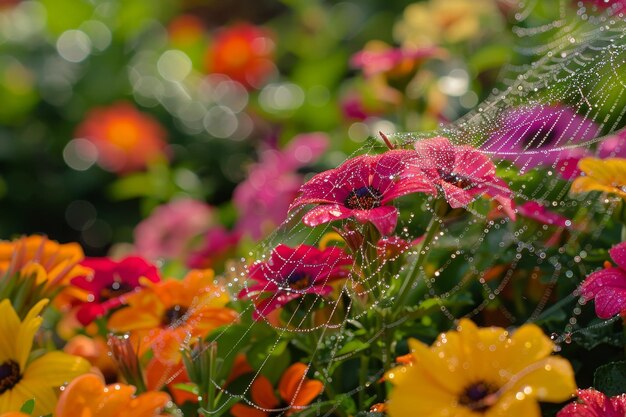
(571, 72)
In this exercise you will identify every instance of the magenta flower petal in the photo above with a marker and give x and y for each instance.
(608, 277)
(361, 188)
(383, 218)
(534, 210)
(325, 214)
(456, 197)
(610, 301)
(593, 403)
(618, 254)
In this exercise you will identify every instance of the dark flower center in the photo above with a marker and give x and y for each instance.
(9, 375)
(298, 280)
(478, 396)
(364, 198)
(456, 179)
(173, 315)
(540, 137)
(115, 290)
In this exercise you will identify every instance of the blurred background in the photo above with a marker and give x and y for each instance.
(178, 123)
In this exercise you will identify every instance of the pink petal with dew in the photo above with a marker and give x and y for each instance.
(473, 164)
(610, 301)
(618, 254)
(435, 153)
(536, 211)
(604, 278)
(326, 213)
(281, 298)
(383, 218)
(455, 196)
(594, 399)
(412, 181)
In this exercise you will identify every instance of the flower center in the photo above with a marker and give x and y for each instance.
(539, 138)
(298, 280)
(9, 375)
(173, 315)
(364, 198)
(114, 290)
(479, 396)
(456, 179)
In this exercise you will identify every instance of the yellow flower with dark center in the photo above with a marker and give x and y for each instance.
(21, 379)
(607, 175)
(481, 372)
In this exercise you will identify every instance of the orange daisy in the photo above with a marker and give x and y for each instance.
(88, 396)
(164, 315)
(43, 266)
(294, 389)
(126, 139)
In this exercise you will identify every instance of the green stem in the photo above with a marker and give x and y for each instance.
(414, 273)
(363, 376)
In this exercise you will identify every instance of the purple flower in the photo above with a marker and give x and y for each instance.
(613, 146)
(607, 287)
(540, 135)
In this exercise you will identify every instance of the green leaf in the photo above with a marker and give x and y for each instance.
(28, 406)
(270, 357)
(188, 387)
(353, 346)
(611, 378)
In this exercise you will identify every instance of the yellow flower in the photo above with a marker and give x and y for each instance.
(485, 372)
(21, 379)
(608, 175)
(443, 21)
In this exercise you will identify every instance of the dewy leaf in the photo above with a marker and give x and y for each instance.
(611, 378)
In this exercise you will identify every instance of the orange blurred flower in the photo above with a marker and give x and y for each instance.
(185, 29)
(160, 374)
(126, 139)
(164, 315)
(88, 396)
(96, 352)
(296, 392)
(244, 53)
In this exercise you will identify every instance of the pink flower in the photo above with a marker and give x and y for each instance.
(461, 172)
(593, 403)
(613, 146)
(169, 231)
(291, 273)
(607, 287)
(362, 188)
(616, 5)
(379, 58)
(218, 244)
(264, 197)
(109, 281)
(536, 211)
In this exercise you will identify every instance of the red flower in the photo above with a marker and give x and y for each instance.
(291, 273)
(461, 172)
(109, 281)
(536, 211)
(242, 52)
(607, 287)
(126, 139)
(361, 188)
(593, 403)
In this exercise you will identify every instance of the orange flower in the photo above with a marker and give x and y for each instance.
(126, 139)
(88, 396)
(296, 392)
(242, 52)
(164, 315)
(160, 374)
(33, 268)
(96, 352)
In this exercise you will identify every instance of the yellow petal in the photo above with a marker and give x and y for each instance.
(418, 396)
(55, 368)
(9, 325)
(551, 380)
(529, 345)
(26, 333)
(443, 371)
(509, 406)
(43, 394)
